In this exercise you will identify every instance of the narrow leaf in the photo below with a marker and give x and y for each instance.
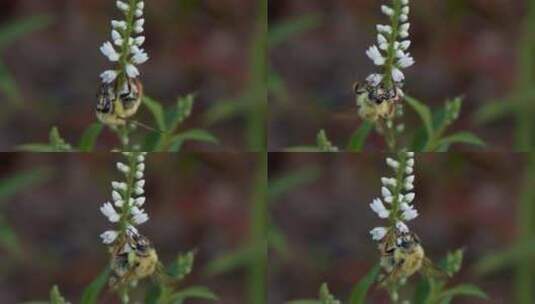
(360, 290)
(91, 293)
(463, 138)
(90, 136)
(358, 139)
(156, 110)
(424, 113)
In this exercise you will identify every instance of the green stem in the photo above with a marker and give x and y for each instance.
(392, 38)
(400, 174)
(524, 278)
(125, 48)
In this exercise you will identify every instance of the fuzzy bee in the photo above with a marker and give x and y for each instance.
(132, 258)
(402, 255)
(376, 101)
(115, 106)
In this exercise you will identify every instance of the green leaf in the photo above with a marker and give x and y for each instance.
(194, 292)
(57, 142)
(9, 86)
(21, 181)
(463, 138)
(463, 290)
(360, 290)
(180, 112)
(55, 296)
(157, 112)
(304, 301)
(19, 28)
(281, 185)
(506, 258)
(90, 136)
(153, 142)
(283, 31)
(277, 240)
(358, 139)
(91, 293)
(324, 144)
(326, 297)
(231, 261)
(453, 262)
(422, 292)
(224, 109)
(183, 265)
(193, 134)
(8, 238)
(423, 112)
(36, 148)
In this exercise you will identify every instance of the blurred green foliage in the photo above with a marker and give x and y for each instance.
(10, 33)
(520, 103)
(520, 254)
(10, 186)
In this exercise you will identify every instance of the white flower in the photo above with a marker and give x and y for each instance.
(410, 179)
(139, 23)
(141, 167)
(388, 181)
(118, 42)
(410, 154)
(116, 196)
(401, 227)
(109, 236)
(139, 201)
(121, 25)
(387, 10)
(140, 58)
(119, 186)
(132, 71)
(386, 29)
(408, 186)
(108, 51)
(410, 162)
(409, 213)
(140, 218)
(375, 55)
(404, 2)
(140, 158)
(374, 79)
(385, 192)
(108, 211)
(140, 183)
(378, 233)
(122, 6)
(397, 75)
(409, 170)
(378, 207)
(139, 174)
(392, 163)
(139, 13)
(405, 61)
(409, 197)
(141, 5)
(109, 76)
(123, 168)
(139, 191)
(405, 10)
(403, 18)
(139, 40)
(119, 203)
(115, 35)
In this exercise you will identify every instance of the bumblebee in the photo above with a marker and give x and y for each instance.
(376, 102)
(115, 106)
(132, 258)
(402, 255)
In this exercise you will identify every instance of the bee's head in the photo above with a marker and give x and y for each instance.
(143, 245)
(408, 241)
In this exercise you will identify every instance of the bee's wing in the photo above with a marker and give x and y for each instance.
(429, 270)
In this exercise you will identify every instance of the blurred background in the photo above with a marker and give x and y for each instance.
(321, 220)
(50, 65)
(481, 50)
(50, 221)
